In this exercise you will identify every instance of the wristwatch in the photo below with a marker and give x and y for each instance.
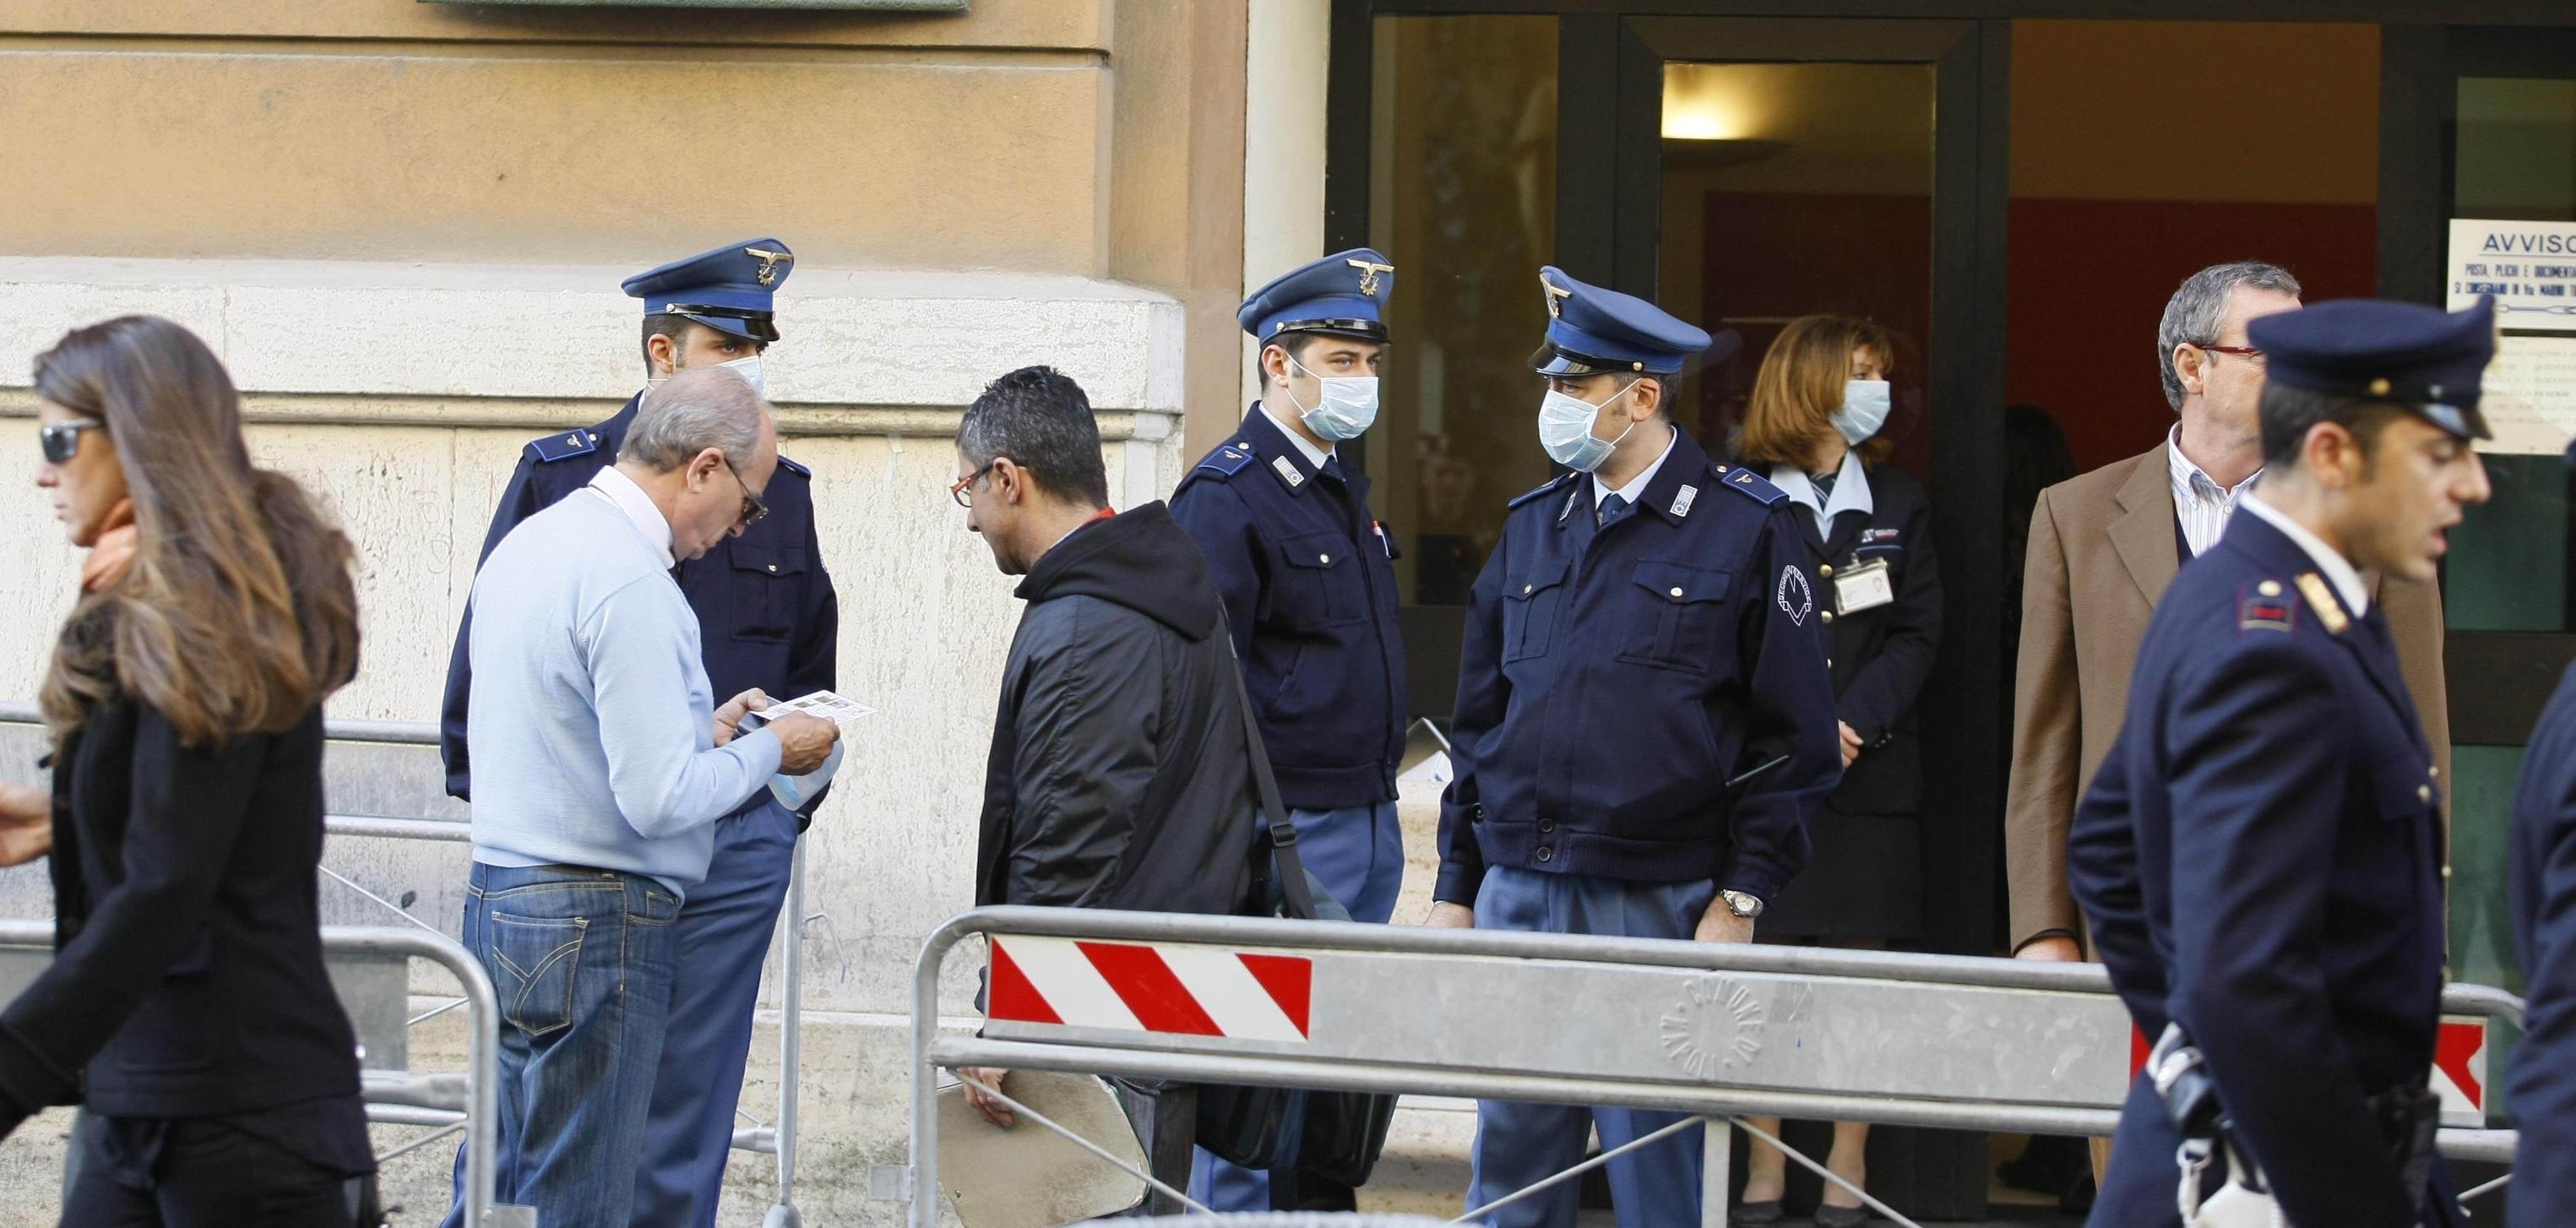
(1742, 905)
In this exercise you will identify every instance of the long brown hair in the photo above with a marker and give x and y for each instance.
(1801, 385)
(238, 613)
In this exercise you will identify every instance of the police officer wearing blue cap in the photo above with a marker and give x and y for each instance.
(2261, 854)
(1645, 721)
(1308, 577)
(768, 618)
(2541, 1087)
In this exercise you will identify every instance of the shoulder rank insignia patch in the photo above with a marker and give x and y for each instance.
(1753, 486)
(1552, 484)
(2329, 611)
(1229, 459)
(794, 468)
(565, 446)
(2267, 610)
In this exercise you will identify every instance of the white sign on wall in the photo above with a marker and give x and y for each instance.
(2530, 268)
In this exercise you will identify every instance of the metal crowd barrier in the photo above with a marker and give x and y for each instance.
(359, 958)
(442, 1101)
(1712, 1030)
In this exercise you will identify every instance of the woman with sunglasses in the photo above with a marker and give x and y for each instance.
(186, 1008)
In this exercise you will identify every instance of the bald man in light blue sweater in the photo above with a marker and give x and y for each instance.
(601, 764)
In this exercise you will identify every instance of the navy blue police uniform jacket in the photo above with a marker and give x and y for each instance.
(1308, 577)
(767, 614)
(2260, 856)
(2542, 1084)
(1614, 681)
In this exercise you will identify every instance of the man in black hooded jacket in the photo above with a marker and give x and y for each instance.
(1120, 776)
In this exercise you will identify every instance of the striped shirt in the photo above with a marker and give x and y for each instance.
(2201, 505)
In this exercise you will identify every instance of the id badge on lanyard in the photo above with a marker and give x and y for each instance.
(1863, 586)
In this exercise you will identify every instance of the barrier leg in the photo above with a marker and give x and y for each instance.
(1717, 1155)
(791, 1050)
(921, 1181)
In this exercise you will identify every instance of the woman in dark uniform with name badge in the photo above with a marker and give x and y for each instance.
(1813, 426)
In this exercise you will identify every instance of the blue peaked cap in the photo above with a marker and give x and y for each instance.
(1591, 330)
(2425, 359)
(728, 288)
(1343, 294)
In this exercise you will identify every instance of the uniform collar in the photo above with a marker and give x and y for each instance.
(1851, 491)
(1683, 467)
(1315, 456)
(1279, 451)
(2337, 569)
(1636, 487)
(622, 492)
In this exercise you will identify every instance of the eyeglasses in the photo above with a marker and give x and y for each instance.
(752, 508)
(61, 440)
(957, 490)
(2242, 351)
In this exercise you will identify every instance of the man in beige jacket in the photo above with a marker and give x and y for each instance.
(2102, 549)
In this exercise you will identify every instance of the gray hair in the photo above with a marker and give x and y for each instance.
(2199, 309)
(708, 407)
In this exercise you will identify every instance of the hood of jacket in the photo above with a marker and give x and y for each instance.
(1141, 559)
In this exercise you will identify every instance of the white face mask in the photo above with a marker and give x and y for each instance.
(1349, 405)
(750, 371)
(748, 368)
(1565, 429)
(1864, 410)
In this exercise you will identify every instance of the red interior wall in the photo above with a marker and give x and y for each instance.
(2089, 280)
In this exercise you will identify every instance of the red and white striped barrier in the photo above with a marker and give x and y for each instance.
(2459, 1068)
(1175, 988)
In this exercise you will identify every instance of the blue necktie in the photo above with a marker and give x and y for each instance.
(1611, 506)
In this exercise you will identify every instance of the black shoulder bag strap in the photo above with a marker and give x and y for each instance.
(1300, 902)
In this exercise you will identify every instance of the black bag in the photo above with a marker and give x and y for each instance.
(1343, 1131)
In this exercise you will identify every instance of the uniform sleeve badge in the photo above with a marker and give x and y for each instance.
(1795, 597)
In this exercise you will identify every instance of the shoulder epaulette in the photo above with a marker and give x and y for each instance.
(1554, 483)
(1228, 458)
(1751, 485)
(569, 444)
(794, 468)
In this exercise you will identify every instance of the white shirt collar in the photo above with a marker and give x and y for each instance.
(2190, 481)
(1315, 456)
(1636, 487)
(2338, 570)
(1851, 491)
(621, 491)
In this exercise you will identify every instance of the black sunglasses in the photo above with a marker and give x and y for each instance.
(62, 439)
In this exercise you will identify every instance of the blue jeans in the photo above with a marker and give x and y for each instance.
(724, 932)
(1517, 1145)
(582, 961)
(1356, 854)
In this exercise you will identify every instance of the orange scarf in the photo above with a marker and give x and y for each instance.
(113, 552)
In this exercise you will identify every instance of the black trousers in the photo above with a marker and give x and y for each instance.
(206, 1175)
(1166, 1117)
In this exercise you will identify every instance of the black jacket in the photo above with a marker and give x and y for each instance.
(1119, 775)
(187, 978)
(1882, 654)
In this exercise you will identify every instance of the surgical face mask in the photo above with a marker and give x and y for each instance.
(1864, 410)
(1349, 405)
(748, 368)
(1565, 429)
(750, 371)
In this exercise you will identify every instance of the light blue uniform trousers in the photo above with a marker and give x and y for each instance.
(1519, 1145)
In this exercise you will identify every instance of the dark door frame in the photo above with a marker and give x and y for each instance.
(2497, 680)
